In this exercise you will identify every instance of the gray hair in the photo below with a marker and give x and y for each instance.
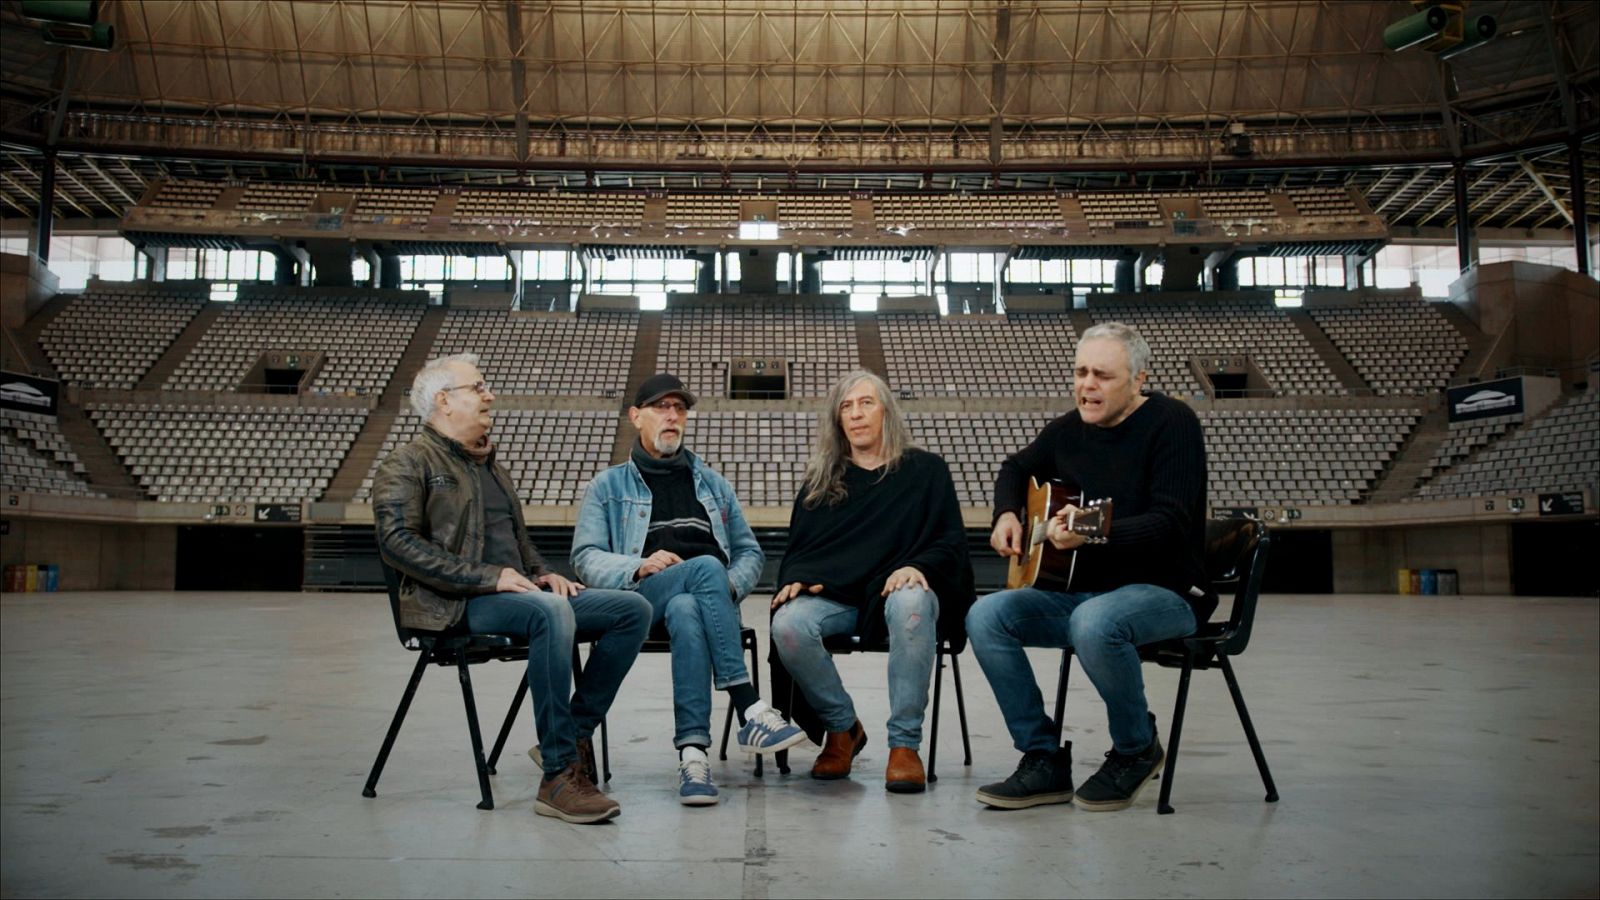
(824, 478)
(1132, 341)
(433, 378)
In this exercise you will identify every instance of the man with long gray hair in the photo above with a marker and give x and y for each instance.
(450, 523)
(876, 549)
(1146, 455)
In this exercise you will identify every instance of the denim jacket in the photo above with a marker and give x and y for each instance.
(608, 542)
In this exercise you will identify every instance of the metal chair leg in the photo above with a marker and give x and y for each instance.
(1164, 805)
(782, 756)
(961, 709)
(1061, 691)
(477, 737)
(1249, 729)
(423, 659)
(755, 682)
(933, 745)
(505, 727)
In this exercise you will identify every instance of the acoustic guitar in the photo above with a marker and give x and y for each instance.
(1041, 564)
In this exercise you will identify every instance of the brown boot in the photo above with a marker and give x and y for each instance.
(904, 774)
(572, 797)
(839, 748)
(586, 760)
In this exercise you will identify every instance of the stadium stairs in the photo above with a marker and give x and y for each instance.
(26, 339)
(186, 341)
(1335, 361)
(1400, 481)
(102, 469)
(1478, 343)
(869, 346)
(345, 483)
(646, 346)
(1082, 320)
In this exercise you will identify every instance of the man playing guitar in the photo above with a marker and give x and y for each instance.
(1145, 583)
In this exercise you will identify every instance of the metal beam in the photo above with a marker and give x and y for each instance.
(1544, 188)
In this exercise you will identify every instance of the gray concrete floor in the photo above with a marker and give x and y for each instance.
(215, 745)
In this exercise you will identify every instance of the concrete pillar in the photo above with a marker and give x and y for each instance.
(47, 203)
(1466, 248)
(157, 258)
(389, 271)
(1580, 206)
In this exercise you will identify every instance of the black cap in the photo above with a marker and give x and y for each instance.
(660, 385)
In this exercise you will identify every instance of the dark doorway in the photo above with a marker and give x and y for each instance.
(226, 558)
(1229, 386)
(1300, 562)
(283, 381)
(1552, 559)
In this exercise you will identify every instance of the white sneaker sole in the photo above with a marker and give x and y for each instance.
(1024, 802)
(699, 800)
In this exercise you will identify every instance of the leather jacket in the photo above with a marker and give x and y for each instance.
(428, 512)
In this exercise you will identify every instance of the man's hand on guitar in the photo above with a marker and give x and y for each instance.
(790, 591)
(904, 577)
(1007, 536)
(1059, 535)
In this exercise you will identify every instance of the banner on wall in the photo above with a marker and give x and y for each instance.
(1485, 399)
(28, 394)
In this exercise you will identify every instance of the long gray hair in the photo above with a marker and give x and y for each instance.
(824, 479)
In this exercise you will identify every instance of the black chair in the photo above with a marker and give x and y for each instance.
(659, 642)
(946, 648)
(1236, 554)
(462, 650)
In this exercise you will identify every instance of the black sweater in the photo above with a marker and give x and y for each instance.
(910, 517)
(1152, 465)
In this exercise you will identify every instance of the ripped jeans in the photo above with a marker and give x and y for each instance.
(799, 626)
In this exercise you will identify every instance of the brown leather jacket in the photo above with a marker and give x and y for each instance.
(428, 512)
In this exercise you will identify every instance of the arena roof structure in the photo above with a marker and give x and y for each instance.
(811, 95)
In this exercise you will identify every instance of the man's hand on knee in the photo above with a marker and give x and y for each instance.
(513, 582)
(656, 562)
(558, 585)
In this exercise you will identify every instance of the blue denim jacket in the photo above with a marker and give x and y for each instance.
(608, 543)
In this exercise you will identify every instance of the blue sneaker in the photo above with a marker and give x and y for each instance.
(767, 732)
(694, 783)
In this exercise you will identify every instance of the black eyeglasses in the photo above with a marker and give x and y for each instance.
(666, 406)
(480, 387)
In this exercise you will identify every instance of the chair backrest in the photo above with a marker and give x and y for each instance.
(1236, 554)
(391, 580)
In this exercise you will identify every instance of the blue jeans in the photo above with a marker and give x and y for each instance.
(694, 599)
(1104, 631)
(551, 624)
(799, 626)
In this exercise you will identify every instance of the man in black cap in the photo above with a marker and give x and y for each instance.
(668, 526)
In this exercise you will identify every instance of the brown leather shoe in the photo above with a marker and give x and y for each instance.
(904, 774)
(839, 748)
(572, 797)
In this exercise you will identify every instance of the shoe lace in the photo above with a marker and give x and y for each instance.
(579, 781)
(1118, 764)
(697, 771)
(1031, 761)
(769, 720)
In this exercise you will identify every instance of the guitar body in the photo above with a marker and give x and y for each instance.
(1041, 565)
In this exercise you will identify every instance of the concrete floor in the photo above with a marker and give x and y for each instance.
(195, 745)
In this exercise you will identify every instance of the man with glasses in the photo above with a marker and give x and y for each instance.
(668, 526)
(450, 523)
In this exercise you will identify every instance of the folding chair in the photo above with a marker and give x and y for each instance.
(1236, 553)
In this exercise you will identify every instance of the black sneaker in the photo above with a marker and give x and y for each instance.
(1121, 777)
(1041, 777)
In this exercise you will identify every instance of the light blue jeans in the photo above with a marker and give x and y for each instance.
(551, 623)
(799, 626)
(694, 599)
(1103, 630)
